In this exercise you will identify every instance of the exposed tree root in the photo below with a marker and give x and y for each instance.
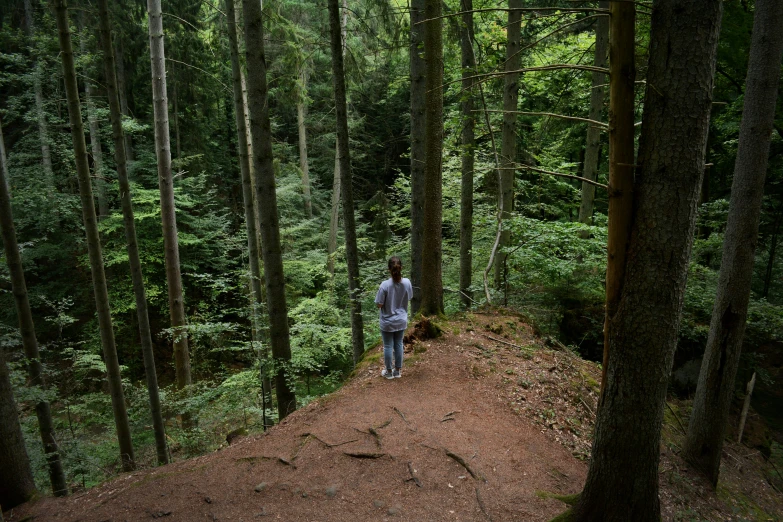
(482, 506)
(464, 464)
(413, 478)
(328, 445)
(364, 454)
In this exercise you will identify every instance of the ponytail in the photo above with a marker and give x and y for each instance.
(395, 267)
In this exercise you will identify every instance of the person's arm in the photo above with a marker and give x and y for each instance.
(380, 297)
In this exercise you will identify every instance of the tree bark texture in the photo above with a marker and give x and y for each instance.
(746, 407)
(597, 97)
(468, 156)
(346, 189)
(418, 129)
(261, 133)
(43, 126)
(303, 164)
(93, 240)
(432, 270)
(16, 478)
(707, 427)
(92, 119)
(508, 139)
(27, 330)
(621, 156)
(166, 184)
(622, 481)
(134, 260)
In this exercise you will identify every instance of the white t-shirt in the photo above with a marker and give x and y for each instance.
(394, 297)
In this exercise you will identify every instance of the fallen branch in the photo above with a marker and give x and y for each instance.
(482, 506)
(586, 406)
(684, 432)
(465, 465)
(414, 478)
(364, 454)
(502, 341)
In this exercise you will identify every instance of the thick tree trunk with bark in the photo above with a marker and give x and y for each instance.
(303, 164)
(346, 189)
(134, 260)
(27, 329)
(16, 478)
(43, 126)
(468, 156)
(92, 119)
(166, 183)
(432, 270)
(622, 481)
(707, 427)
(508, 140)
(597, 96)
(93, 241)
(261, 133)
(418, 117)
(621, 156)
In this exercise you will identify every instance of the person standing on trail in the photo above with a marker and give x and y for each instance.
(392, 300)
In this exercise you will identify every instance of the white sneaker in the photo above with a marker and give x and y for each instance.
(387, 373)
(397, 374)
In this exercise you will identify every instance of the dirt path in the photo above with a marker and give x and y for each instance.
(446, 407)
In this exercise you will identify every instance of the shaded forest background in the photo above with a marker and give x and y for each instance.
(553, 273)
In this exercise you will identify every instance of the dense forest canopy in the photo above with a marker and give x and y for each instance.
(534, 160)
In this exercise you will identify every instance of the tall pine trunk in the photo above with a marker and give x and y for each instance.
(597, 96)
(334, 217)
(43, 126)
(508, 141)
(302, 129)
(432, 270)
(166, 183)
(93, 241)
(254, 254)
(621, 156)
(622, 481)
(134, 260)
(27, 329)
(16, 477)
(418, 117)
(715, 390)
(92, 119)
(261, 133)
(468, 156)
(346, 189)
(121, 85)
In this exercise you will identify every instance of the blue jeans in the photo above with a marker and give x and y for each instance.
(392, 341)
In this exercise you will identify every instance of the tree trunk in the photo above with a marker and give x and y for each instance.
(346, 189)
(261, 133)
(176, 120)
(300, 120)
(621, 157)
(254, 255)
(622, 481)
(468, 157)
(746, 407)
(508, 140)
(93, 241)
(16, 478)
(707, 427)
(27, 329)
(120, 59)
(334, 218)
(134, 260)
(92, 119)
(43, 126)
(418, 116)
(432, 270)
(597, 96)
(166, 183)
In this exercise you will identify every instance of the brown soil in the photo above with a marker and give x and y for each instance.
(484, 425)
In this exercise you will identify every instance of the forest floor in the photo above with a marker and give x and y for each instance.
(487, 423)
